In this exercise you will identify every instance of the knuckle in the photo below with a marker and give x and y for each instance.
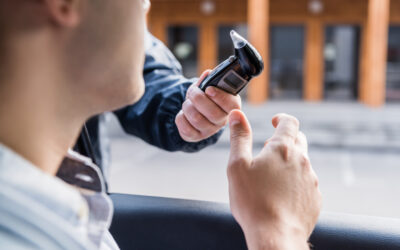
(273, 145)
(214, 116)
(284, 150)
(178, 116)
(196, 118)
(223, 97)
(218, 119)
(305, 161)
(186, 105)
(179, 120)
(224, 122)
(218, 93)
(288, 134)
(302, 137)
(284, 146)
(195, 96)
(316, 182)
(184, 134)
(231, 102)
(315, 179)
(188, 135)
(279, 145)
(190, 139)
(209, 132)
(185, 131)
(190, 91)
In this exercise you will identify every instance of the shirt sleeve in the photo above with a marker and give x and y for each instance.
(152, 118)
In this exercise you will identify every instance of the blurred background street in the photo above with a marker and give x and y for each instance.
(335, 64)
(354, 150)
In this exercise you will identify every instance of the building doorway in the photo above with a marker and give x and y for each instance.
(393, 65)
(286, 62)
(341, 58)
(183, 42)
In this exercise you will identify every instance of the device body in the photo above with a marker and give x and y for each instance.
(233, 74)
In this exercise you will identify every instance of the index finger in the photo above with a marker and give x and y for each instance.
(202, 77)
(197, 84)
(287, 127)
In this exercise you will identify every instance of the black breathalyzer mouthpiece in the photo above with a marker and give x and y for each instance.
(233, 74)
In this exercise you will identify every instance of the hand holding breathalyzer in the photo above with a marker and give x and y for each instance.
(204, 114)
(214, 96)
(274, 196)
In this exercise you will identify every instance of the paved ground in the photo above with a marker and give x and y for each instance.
(354, 150)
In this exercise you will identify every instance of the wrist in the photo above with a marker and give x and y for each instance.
(275, 236)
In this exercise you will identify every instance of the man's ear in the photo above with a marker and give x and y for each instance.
(64, 12)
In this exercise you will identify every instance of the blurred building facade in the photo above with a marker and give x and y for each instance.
(313, 49)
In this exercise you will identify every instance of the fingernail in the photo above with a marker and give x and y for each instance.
(234, 122)
(234, 119)
(211, 91)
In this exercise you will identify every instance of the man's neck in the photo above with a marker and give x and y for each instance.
(36, 132)
(37, 119)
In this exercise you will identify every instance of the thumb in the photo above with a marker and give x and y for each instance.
(241, 138)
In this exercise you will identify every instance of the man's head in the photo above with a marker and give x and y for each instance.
(93, 49)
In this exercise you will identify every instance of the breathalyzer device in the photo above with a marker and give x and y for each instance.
(233, 74)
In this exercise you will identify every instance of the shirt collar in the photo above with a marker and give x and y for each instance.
(77, 174)
(22, 175)
(81, 172)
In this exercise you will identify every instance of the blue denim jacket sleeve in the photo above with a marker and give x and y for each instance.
(153, 117)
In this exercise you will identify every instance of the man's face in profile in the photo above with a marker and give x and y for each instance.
(95, 46)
